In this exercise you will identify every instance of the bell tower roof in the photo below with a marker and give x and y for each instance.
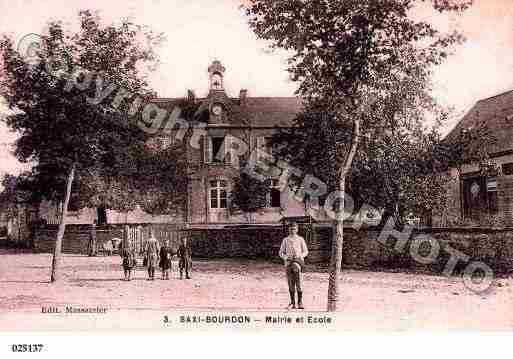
(216, 68)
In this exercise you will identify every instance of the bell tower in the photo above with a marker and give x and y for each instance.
(216, 73)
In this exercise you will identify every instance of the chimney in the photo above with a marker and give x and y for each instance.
(191, 96)
(242, 97)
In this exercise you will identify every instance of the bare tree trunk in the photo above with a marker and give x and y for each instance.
(337, 245)
(338, 234)
(55, 276)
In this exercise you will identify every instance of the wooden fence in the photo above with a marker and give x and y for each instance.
(76, 237)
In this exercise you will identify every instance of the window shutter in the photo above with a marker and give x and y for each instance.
(207, 146)
(230, 157)
(260, 147)
(227, 144)
(260, 142)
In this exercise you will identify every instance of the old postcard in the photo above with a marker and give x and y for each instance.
(313, 165)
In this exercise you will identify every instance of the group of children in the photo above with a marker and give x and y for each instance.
(155, 255)
(293, 251)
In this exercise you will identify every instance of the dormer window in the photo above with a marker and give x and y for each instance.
(214, 148)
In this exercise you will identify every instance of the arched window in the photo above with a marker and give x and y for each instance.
(217, 82)
(218, 194)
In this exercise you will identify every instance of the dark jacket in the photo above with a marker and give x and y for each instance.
(185, 255)
(165, 257)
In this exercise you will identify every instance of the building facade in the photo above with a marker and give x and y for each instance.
(214, 161)
(479, 198)
(237, 128)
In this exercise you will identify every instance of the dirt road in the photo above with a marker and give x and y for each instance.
(371, 300)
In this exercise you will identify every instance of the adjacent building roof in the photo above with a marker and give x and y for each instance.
(497, 113)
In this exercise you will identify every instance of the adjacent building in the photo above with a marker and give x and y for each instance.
(475, 197)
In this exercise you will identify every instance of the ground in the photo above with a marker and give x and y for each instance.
(370, 300)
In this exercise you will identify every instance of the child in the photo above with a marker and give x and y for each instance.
(166, 252)
(127, 253)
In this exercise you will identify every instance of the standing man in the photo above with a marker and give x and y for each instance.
(185, 256)
(293, 251)
(151, 254)
(92, 240)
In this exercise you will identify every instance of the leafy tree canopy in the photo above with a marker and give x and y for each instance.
(61, 125)
(248, 194)
(363, 68)
(364, 61)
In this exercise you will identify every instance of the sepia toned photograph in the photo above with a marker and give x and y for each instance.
(332, 165)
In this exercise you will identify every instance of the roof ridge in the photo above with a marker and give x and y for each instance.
(273, 97)
(236, 98)
(494, 96)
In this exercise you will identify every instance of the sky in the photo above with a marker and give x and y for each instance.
(199, 31)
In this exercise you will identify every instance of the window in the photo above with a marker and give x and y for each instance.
(217, 82)
(101, 213)
(214, 146)
(507, 169)
(274, 194)
(267, 142)
(264, 146)
(218, 194)
(74, 203)
(479, 197)
(217, 145)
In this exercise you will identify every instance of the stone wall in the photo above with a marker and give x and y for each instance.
(491, 246)
(361, 248)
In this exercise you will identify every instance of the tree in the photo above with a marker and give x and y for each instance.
(13, 195)
(64, 127)
(401, 175)
(351, 59)
(162, 180)
(249, 194)
(9, 196)
(469, 145)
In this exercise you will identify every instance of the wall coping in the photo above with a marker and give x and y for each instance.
(79, 228)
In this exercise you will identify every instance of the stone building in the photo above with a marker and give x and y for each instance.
(236, 128)
(475, 197)
(212, 165)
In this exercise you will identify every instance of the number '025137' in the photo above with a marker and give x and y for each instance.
(27, 348)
